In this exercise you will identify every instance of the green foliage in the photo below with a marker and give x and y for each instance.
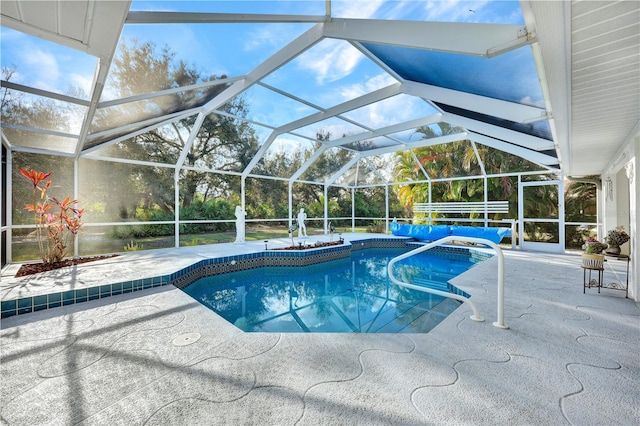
(215, 209)
(222, 142)
(378, 226)
(133, 246)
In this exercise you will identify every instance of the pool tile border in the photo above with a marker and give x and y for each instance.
(216, 266)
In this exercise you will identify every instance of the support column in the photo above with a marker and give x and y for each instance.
(326, 210)
(386, 198)
(76, 181)
(176, 209)
(353, 210)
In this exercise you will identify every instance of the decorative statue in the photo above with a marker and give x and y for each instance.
(240, 216)
(302, 228)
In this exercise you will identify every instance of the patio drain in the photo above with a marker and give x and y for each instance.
(186, 339)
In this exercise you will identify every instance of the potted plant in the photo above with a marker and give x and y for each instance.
(615, 238)
(592, 258)
(593, 246)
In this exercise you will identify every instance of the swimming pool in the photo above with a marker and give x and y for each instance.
(350, 295)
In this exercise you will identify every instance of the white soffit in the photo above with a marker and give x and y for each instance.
(591, 52)
(90, 26)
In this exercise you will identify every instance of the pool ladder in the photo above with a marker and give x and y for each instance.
(476, 313)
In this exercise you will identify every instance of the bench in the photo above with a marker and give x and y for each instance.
(462, 207)
(436, 232)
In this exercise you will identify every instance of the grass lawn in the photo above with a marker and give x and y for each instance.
(25, 249)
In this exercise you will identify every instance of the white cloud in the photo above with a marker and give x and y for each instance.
(274, 35)
(374, 83)
(527, 100)
(82, 82)
(331, 60)
(44, 65)
(355, 9)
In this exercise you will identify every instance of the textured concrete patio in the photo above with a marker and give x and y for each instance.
(158, 357)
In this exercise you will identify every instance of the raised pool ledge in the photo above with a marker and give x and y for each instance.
(215, 266)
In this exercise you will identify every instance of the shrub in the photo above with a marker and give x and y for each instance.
(53, 230)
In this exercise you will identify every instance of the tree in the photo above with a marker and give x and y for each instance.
(458, 159)
(30, 111)
(223, 142)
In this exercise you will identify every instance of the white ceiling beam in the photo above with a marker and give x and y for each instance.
(342, 170)
(153, 124)
(457, 37)
(512, 136)
(145, 17)
(187, 146)
(369, 98)
(530, 155)
(484, 105)
(159, 93)
(279, 59)
(44, 93)
(394, 128)
(308, 163)
(374, 169)
(419, 144)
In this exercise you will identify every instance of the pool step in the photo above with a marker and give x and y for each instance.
(441, 285)
(433, 317)
(407, 317)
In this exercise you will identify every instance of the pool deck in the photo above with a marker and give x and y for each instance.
(156, 356)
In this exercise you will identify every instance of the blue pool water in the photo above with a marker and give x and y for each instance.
(351, 295)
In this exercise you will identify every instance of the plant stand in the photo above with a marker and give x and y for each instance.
(592, 262)
(619, 285)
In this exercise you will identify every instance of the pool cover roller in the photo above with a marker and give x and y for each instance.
(436, 232)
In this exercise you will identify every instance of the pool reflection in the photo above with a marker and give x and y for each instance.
(352, 295)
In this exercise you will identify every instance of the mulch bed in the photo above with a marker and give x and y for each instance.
(34, 268)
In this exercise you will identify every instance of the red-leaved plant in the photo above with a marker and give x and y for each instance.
(54, 228)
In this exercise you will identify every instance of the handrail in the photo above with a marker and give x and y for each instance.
(476, 313)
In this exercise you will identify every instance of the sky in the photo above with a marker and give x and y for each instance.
(331, 72)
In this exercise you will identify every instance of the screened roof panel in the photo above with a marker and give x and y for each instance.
(43, 141)
(329, 73)
(217, 50)
(456, 159)
(43, 113)
(284, 156)
(327, 165)
(295, 7)
(340, 69)
(389, 111)
(160, 145)
(540, 129)
(419, 134)
(369, 144)
(115, 116)
(511, 76)
(94, 141)
(361, 173)
(224, 143)
(384, 164)
(496, 161)
(334, 127)
(272, 108)
(350, 177)
(48, 66)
